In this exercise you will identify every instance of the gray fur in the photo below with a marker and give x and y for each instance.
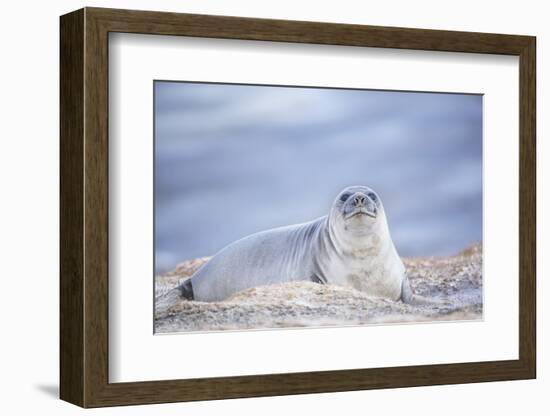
(349, 247)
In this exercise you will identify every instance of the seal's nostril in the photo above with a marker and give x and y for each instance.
(359, 200)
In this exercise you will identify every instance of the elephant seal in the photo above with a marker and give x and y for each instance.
(350, 247)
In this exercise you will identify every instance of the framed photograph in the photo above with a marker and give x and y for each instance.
(255, 207)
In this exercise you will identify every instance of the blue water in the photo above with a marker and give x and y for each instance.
(231, 160)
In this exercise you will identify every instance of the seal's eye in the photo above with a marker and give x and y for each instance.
(373, 197)
(344, 197)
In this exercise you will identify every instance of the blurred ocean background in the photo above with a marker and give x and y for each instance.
(231, 160)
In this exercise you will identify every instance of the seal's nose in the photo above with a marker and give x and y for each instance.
(359, 199)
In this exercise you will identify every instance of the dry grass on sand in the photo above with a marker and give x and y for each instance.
(454, 283)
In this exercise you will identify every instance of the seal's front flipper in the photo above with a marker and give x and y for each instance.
(407, 295)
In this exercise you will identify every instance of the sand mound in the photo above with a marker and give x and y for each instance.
(453, 286)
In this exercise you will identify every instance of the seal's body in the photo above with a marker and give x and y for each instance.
(350, 247)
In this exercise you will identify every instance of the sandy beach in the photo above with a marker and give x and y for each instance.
(452, 286)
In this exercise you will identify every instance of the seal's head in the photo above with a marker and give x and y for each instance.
(357, 209)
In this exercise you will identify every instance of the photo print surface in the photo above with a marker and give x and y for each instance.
(290, 207)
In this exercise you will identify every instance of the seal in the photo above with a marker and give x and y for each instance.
(350, 247)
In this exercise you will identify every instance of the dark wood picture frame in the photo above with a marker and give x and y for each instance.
(84, 207)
